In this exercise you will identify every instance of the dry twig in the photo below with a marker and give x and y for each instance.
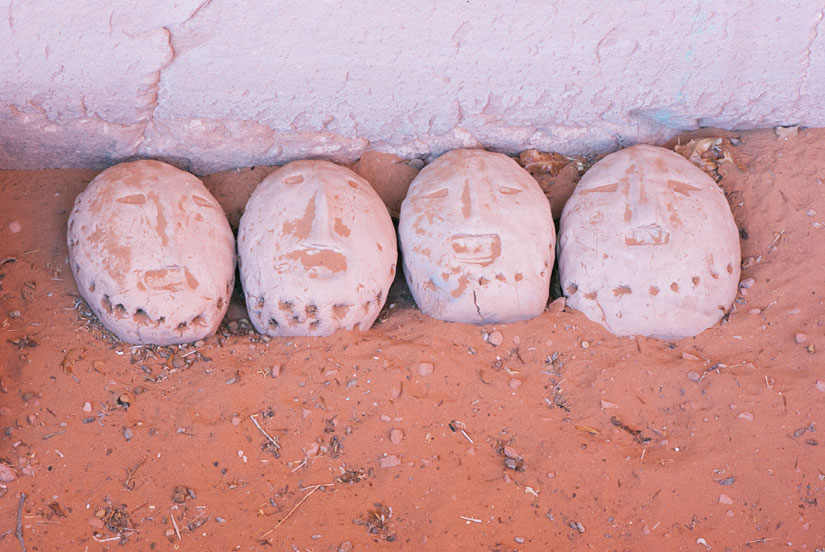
(267, 435)
(20, 522)
(312, 489)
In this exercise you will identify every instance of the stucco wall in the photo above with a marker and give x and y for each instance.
(213, 85)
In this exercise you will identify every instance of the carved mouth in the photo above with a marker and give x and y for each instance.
(320, 256)
(651, 234)
(481, 249)
(172, 278)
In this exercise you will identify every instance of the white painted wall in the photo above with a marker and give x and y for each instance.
(213, 85)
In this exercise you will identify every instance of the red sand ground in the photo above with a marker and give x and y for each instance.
(420, 434)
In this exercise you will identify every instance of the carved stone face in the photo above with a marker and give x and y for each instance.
(317, 251)
(152, 253)
(648, 245)
(477, 237)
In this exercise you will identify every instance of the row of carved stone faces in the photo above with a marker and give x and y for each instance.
(647, 246)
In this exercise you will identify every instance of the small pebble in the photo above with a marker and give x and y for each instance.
(96, 523)
(275, 371)
(515, 383)
(345, 546)
(810, 212)
(7, 474)
(15, 227)
(389, 461)
(396, 436)
(745, 416)
(384, 418)
(199, 343)
(725, 499)
(311, 449)
(87, 406)
(219, 519)
(747, 283)
(820, 385)
(800, 338)
(519, 540)
(693, 375)
(585, 344)
(509, 451)
(128, 433)
(425, 368)
(236, 420)
(689, 356)
(495, 338)
(232, 380)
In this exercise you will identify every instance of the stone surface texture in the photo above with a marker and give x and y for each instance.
(648, 245)
(210, 85)
(152, 253)
(317, 251)
(477, 238)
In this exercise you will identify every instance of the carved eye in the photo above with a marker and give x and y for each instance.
(294, 179)
(509, 190)
(437, 194)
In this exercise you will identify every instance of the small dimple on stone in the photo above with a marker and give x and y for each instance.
(621, 290)
(674, 287)
(341, 310)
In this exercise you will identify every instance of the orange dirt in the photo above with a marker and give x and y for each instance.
(549, 434)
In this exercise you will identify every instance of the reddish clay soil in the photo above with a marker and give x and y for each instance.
(549, 434)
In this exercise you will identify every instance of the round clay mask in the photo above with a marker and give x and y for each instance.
(648, 245)
(317, 251)
(152, 253)
(477, 238)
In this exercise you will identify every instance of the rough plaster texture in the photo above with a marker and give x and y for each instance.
(477, 237)
(317, 251)
(648, 245)
(219, 84)
(136, 247)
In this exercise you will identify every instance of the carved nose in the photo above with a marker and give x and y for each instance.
(469, 201)
(640, 210)
(321, 230)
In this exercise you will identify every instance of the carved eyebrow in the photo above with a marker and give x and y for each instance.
(504, 189)
(436, 194)
(134, 199)
(682, 187)
(603, 189)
